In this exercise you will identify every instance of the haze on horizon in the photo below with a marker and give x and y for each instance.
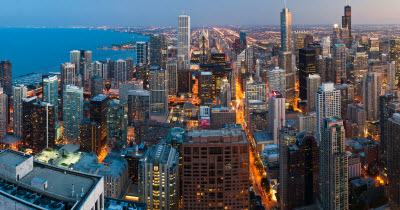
(66, 13)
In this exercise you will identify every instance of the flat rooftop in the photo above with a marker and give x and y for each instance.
(100, 97)
(13, 158)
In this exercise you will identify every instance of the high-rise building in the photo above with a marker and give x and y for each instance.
(287, 63)
(159, 177)
(346, 23)
(126, 87)
(206, 86)
(184, 41)
(286, 31)
(3, 114)
(306, 67)
(72, 112)
(299, 170)
(339, 58)
(371, 92)
(358, 65)
(393, 160)
(299, 38)
(225, 95)
(68, 73)
(96, 86)
(75, 56)
(277, 80)
(307, 122)
(19, 93)
(321, 68)
(328, 105)
(391, 75)
(336, 34)
(384, 114)
(333, 170)
(6, 76)
(50, 92)
(357, 114)
(172, 70)
(326, 46)
(39, 125)
(156, 50)
(276, 114)
(129, 69)
(158, 92)
(138, 105)
(346, 97)
(256, 91)
(220, 116)
(117, 120)
(313, 84)
(204, 45)
(142, 53)
(242, 41)
(120, 71)
(90, 137)
(98, 114)
(213, 185)
(395, 56)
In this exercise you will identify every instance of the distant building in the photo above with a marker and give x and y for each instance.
(3, 114)
(50, 92)
(371, 92)
(117, 120)
(72, 112)
(138, 106)
(19, 93)
(276, 114)
(151, 132)
(306, 68)
(159, 167)
(157, 46)
(142, 53)
(96, 86)
(206, 87)
(172, 69)
(6, 76)
(313, 84)
(158, 88)
(277, 80)
(184, 41)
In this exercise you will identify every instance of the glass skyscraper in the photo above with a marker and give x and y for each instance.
(72, 112)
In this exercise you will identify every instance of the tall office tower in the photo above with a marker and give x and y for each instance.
(74, 56)
(328, 105)
(19, 93)
(221, 116)
(339, 57)
(384, 114)
(242, 41)
(120, 71)
(50, 92)
(313, 84)
(225, 95)
(371, 92)
(276, 114)
(172, 69)
(184, 41)
(6, 76)
(336, 34)
(373, 44)
(256, 91)
(307, 122)
(142, 53)
(309, 39)
(90, 137)
(393, 161)
(333, 170)
(3, 114)
(286, 31)
(129, 69)
(97, 68)
(96, 86)
(250, 59)
(117, 119)
(391, 75)
(306, 67)
(320, 68)
(257, 75)
(72, 112)
(126, 87)
(206, 86)
(277, 80)
(326, 46)
(138, 106)
(346, 23)
(159, 178)
(158, 92)
(156, 48)
(346, 97)
(395, 56)
(221, 186)
(358, 65)
(299, 169)
(204, 46)
(39, 127)
(286, 62)
(68, 73)
(299, 38)
(357, 114)
(98, 114)
(330, 74)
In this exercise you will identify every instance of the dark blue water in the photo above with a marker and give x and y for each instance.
(30, 49)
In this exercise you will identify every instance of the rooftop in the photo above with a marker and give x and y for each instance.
(99, 97)
(13, 158)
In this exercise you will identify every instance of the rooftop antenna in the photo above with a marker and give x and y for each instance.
(284, 3)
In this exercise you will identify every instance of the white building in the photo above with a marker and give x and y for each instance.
(313, 83)
(307, 122)
(276, 114)
(184, 40)
(328, 105)
(277, 80)
(19, 93)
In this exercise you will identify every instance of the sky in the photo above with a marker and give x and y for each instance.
(66, 13)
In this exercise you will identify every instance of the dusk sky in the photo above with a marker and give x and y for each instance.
(54, 13)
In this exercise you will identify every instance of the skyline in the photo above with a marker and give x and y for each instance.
(24, 13)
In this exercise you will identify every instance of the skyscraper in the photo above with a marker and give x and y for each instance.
(72, 112)
(184, 41)
(306, 67)
(371, 92)
(206, 86)
(242, 41)
(385, 112)
(172, 70)
(120, 71)
(6, 76)
(286, 31)
(286, 62)
(159, 177)
(328, 105)
(276, 114)
(391, 75)
(98, 114)
(339, 57)
(28, 121)
(68, 73)
(117, 119)
(138, 105)
(50, 92)
(129, 69)
(142, 53)
(313, 84)
(395, 56)
(346, 23)
(156, 50)
(203, 46)
(326, 46)
(19, 93)
(96, 86)
(256, 91)
(333, 170)
(3, 114)
(277, 80)
(158, 92)
(393, 164)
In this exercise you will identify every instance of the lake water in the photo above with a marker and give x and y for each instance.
(35, 49)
